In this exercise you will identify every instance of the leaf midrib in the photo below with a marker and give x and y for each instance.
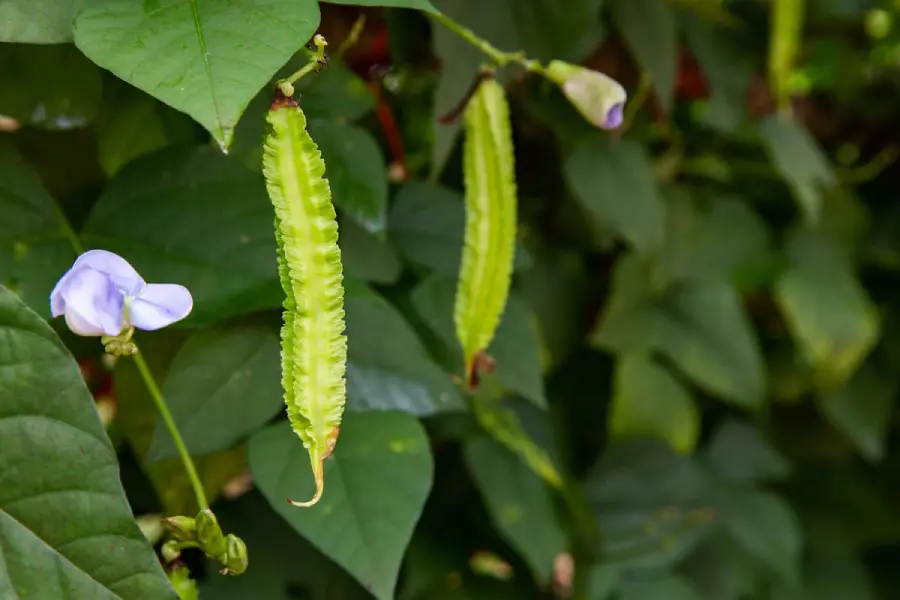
(198, 29)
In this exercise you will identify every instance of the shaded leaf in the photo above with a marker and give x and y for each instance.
(222, 385)
(766, 528)
(356, 172)
(417, 4)
(195, 217)
(721, 57)
(717, 240)
(670, 587)
(64, 510)
(648, 27)
(66, 100)
(741, 454)
(515, 348)
(617, 186)
(701, 327)
(377, 481)
(37, 21)
(519, 503)
(828, 312)
(366, 256)
(35, 250)
(799, 160)
(862, 408)
(388, 367)
(649, 401)
(427, 224)
(603, 582)
(653, 504)
(208, 63)
(131, 124)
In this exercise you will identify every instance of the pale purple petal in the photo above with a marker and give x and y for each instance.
(614, 117)
(92, 304)
(160, 304)
(115, 267)
(57, 304)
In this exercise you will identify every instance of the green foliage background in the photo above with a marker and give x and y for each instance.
(697, 367)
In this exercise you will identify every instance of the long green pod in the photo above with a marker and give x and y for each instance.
(488, 251)
(313, 343)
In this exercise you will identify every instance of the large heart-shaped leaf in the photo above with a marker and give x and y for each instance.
(419, 4)
(376, 483)
(207, 58)
(66, 530)
(221, 386)
(35, 249)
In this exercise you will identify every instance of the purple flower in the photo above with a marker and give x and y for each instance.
(598, 97)
(103, 295)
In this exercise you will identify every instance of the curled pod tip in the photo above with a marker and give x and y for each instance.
(313, 344)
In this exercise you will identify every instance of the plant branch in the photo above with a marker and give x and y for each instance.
(316, 62)
(499, 57)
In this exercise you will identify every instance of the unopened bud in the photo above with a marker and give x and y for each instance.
(182, 528)
(236, 560)
(599, 98)
(209, 534)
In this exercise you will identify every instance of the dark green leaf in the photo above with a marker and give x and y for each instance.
(799, 160)
(766, 528)
(388, 367)
(519, 502)
(222, 385)
(862, 409)
(355, 170)
(648, 27)
(617, 185)
(515, 347)
(208, 63)
(721, 57)
(376, 483)
(417, 4)
(653, 505)
(828, 312)
(713, 241)
(427, 223)
(66, 529)
(35, 250)
(195, 217)
(37, 21)
(603, 582)
(366, 256)
(131, 124)
(670, 587)
(51, 87)
(831, 577)
(701, 327)
(741, 454)
(649, 402)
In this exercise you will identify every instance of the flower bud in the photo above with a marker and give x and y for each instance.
(236, 560)
(209, 534)
(182, 528)
(171, 550)
(599, 98)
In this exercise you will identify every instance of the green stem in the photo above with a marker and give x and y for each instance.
(500, 57)
(316, 61)
(163, 409)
